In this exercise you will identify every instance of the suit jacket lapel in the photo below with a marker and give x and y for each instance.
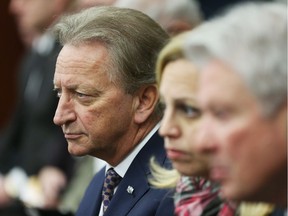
(136, 177)
(90, 206)
(123, 201)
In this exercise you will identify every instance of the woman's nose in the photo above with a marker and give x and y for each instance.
(169, 127)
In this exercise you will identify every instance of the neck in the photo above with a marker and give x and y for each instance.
(127, 144)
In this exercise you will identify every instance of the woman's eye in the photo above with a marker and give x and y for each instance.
(189, 111)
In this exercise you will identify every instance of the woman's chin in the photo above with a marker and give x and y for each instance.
(182, 169)
(188, 170)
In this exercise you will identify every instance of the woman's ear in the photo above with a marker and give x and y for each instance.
(147, 98)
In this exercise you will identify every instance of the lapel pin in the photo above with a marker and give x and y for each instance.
(130, 189)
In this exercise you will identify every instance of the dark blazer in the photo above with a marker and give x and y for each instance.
(145, 200)
(32, 140)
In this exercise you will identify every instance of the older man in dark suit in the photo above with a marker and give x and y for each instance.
(108, 106)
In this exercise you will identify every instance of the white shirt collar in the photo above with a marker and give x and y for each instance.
(123, 166)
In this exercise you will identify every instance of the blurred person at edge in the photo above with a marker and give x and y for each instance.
(82, 4)
(31, 145)
(195, 193)
(27, 33)
(108, 105)
(174, 16)
(243, 97)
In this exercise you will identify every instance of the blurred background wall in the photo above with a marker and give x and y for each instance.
(11, 50)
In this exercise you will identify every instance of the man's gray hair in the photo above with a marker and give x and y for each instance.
(251, 39)
(132, 38)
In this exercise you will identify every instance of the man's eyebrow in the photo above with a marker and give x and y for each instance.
(84, 88)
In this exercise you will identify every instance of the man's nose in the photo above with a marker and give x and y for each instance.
(65, 112)
(205, 139)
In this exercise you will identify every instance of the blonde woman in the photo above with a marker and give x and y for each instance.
(194, 194)
(177, 80)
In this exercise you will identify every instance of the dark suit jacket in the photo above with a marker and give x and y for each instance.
(145, 200)
(32, 140)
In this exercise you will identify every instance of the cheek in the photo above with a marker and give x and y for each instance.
(244, 144)
(90, 119)
(191, 133)
(236, 140)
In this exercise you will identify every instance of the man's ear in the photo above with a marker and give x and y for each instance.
(146, 100)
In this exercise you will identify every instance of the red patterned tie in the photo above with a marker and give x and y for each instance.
(111, 181)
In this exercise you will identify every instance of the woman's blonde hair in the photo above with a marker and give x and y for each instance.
(162, 177)
(172, 51)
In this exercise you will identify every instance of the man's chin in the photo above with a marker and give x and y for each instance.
(75, 150)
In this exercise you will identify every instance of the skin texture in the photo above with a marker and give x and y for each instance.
(97, 117)
(179, 125)
(248, 151)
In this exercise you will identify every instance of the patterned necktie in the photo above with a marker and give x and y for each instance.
(111, 181)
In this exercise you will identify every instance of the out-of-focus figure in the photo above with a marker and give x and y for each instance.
(31, 146)
(173, 16)
(243, 96)
(195, 194)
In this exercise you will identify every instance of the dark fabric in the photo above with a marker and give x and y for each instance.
(17, 208)
(32, 141)
(145, 200)
(212, 8)
(278, 212)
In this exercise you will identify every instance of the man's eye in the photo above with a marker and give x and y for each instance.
(80, 95)
(221, 114)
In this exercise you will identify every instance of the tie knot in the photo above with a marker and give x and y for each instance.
(112, 177)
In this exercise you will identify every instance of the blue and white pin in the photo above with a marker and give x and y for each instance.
(130, 189)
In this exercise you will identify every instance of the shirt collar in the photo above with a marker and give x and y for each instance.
(123, 166)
